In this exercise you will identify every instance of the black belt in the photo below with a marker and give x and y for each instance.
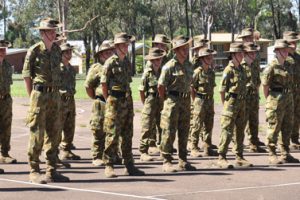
(204, 96)
(67, 98)
(100, 97)
(117, 94)
(2, 97)
(42, 88)
(179, 94)
(236, 96)
(153, 94)
(280, 90)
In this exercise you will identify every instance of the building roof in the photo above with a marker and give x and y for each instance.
(226, 38)
(15, 51)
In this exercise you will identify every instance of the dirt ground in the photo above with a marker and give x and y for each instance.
(88, 182)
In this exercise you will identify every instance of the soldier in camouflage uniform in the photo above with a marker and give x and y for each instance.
(203, 96)
(278, 87)
(233, 93)
(292, 37)
(5, 105)
(150, 98)
(160, 41)
(68, 107)
(118, 122)
(252, 100)
(174, 84)
(41, 73)
(94, 90)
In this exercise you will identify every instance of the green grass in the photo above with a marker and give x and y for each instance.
(18, 88)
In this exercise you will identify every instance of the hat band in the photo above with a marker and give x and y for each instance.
(236, 49)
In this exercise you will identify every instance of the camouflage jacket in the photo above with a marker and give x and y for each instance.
(204, 81)
(234, 79)
(296, 78)
(279, 76)
(93, 78)
(68, 80)
(43, 66)
(6, 72)
(149, 79)
(176, 77)
(117, 74)
(253, 75)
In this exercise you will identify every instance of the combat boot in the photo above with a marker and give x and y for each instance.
(60, 164)
(98, 162)
(260, 143)
(168, 167)
(288, 159)
(208, 150)
(117, 160)
(37, 178)
(146, 157)
(153, 150)
(223, 163)
(7, 159)
(195, 152)
(242, 162)
(131, 170)
(109, 172)
(295, 145)
(273, 160)
(256, 149)
(69, 155)
(213, 146)
(55, 177)
(1, 171)
(185, 166)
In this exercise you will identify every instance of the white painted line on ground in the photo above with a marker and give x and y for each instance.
(81, 190)
(228, 189)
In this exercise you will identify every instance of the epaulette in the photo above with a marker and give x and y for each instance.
(171, 63)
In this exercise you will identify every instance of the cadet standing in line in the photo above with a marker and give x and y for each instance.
(252, 101)
(203, 100)
(6, 72)
(150, 98)
(41, 74)
(68, 107)
(233, 93)
(293, 37)
(160, 41)
(118, 122)
(94, 91)
(174, 86)
(278, 87)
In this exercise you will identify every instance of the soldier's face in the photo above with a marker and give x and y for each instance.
(248, 39)
(2, 53)
(157, 62)
(207, 59)
(183, 51)
(283, 53)
(105, 55)
(238, 56)
(250, 55)
(123, 48)
(67, 54)
(48, 35)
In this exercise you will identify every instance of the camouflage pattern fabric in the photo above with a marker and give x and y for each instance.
(174, 116)
(296, 96)
(233, 114)
(151, 110)
(98, 108)
(43, 67)
(279, 105)
(118, 120)
(5, 106)
(203, 111)
(68, 107)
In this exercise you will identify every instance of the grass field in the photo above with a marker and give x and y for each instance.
(18, 88)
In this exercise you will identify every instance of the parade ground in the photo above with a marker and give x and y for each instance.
(260, 182)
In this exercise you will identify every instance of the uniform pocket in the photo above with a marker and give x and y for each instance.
(97, 117)
(33, 116)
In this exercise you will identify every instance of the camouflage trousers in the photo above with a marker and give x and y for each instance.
(118, 122)
(232, 125)
(44, 123)
(251, 117)
(295, 133)
(96, 124)
(175, 117)
(68, 115)
(280, 119)
(150, 121)
(5, 124)
(203, 121)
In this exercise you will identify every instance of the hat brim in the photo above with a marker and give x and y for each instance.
(289, 47)
(48, 28)
(155, 42)
(131, 38)
(8, 44)
(148, 57)
(183, 44)
(99, 52)
(69, 48)
(242, 36)
(212, 53)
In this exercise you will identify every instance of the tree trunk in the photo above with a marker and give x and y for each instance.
(187, 21)
(87, 45)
